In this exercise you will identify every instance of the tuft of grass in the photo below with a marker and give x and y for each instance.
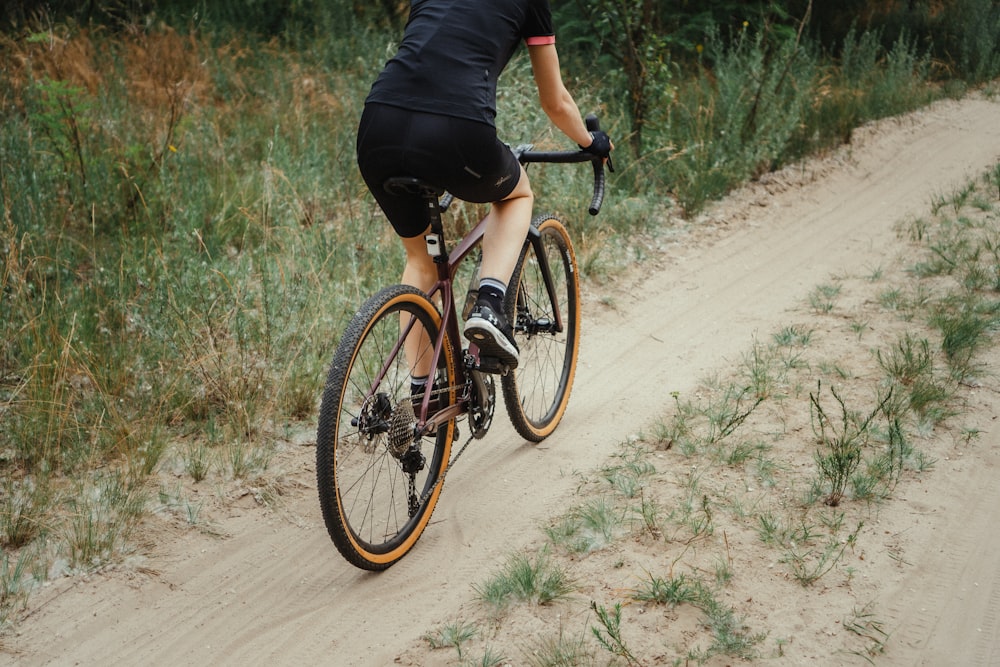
(247, 459)
(104, 516)
(730, 634)
(672, 591)
(454, 635)
(24, 508)
(727, 411)
(588, 527)
(865, 625)
(810, 564)
(559, 651)
(964, 324)
(758, 371)
(197, 460)
(908, 360)
(15, 584)
(629, 473)
(822, 297)
(650, 513)
(742, 452)
(793, 336)
(523, 578)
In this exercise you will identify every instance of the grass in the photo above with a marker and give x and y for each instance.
(809, 562)
(608, 632)
(182, 243)
(15, 584)
(560, 650)
(453, 635)
(865, 625)
(842, 441)
(672, 591)
(823, 298)
(528, 579)
(588, 527)
(803, 474)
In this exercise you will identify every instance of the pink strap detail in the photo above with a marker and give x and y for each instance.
(540, 40)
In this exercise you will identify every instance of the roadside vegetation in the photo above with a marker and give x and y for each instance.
(796, 454)
(183, 235)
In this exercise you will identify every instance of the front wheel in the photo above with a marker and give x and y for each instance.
(377, 485)
(544, 310)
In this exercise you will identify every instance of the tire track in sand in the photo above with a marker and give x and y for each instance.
(945, 609)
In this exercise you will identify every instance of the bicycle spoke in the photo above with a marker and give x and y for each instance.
(372, 480)
(537, 392)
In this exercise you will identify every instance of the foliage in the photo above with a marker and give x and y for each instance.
(841, 442)
(266, 18)
(183, 232)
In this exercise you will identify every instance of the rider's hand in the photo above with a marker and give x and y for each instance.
(600, 146)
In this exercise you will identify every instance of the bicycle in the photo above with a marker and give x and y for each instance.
(377, 488)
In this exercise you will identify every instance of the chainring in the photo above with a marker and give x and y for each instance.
(482, 403)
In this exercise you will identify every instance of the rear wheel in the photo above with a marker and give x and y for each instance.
(537, 391)
(377, 487)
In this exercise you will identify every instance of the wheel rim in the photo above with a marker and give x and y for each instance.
(544, 372)
(374, 493)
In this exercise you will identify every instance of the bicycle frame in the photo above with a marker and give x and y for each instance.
(447, 263)
(377, 487)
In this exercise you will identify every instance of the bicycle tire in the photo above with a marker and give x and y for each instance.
(372, 511)
(537, 392)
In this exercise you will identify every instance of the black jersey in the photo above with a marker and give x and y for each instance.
(453, 51)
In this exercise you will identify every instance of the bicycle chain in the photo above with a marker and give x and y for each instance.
(444, 473)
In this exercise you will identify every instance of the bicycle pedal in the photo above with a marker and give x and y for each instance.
(492, 365)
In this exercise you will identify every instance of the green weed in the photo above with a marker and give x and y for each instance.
(588, 527)
(533, 580)
(15, 584)
(908, 360)
(103, 519)
(454, 635)
(964, 324)
(673, 591)
(628, 476)
(841, 443)
(24, 510)
(609, 634)
(871, 630)
(791, 336)
(559, 651)
(730, 410)
(822, 297)
(730, 634)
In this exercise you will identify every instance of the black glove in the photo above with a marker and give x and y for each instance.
(601, 144)
(601, 147)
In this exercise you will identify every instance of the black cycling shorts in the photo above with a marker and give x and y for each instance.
(461, 156)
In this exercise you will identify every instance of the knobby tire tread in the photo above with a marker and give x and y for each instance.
(387, 303)
(521, 385)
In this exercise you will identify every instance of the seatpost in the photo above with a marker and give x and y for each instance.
(435, 238)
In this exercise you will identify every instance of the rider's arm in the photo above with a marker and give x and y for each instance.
(556, 101)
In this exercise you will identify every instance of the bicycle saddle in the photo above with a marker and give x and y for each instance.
(396, 185)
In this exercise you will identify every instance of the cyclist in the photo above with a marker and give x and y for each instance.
(430, 114)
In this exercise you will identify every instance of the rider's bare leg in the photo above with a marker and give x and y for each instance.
(506, 228)
(421, 273)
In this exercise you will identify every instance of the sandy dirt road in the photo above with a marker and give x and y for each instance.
(274, 590)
